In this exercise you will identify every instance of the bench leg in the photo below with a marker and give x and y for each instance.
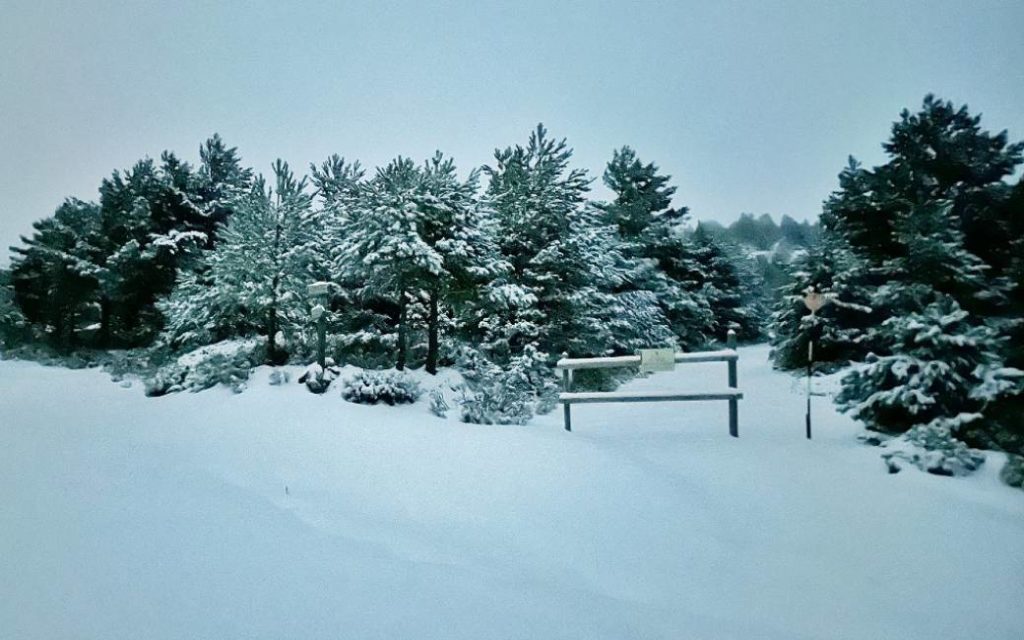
(568, 418)
(734, 420)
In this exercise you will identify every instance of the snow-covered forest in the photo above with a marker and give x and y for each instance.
(499, 270)
(455, 290)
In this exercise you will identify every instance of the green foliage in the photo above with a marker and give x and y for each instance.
(935, 362)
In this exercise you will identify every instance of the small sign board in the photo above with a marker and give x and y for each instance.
(657, 360)
(319, 289)
(814, 301)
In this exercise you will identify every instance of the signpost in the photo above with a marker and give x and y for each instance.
(319, 292)
(813, 300)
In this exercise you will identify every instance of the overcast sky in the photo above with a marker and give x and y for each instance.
(750, 107)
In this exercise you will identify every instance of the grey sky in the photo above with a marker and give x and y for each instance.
(751, 107)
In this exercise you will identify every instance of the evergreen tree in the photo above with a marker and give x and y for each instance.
(14, 327)
(730, 290)
(257, 277)
(658, 261)
(936, 362)
(54, 275)
(838, 328)
(563, 263)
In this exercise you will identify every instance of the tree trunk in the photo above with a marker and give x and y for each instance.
(72, 336)
(272, 355)
(402, 348)
(432, 331)
(104, 334)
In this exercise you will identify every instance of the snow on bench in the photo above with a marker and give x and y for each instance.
(732, 394)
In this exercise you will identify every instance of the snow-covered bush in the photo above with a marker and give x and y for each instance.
(1013, 472)
(510, 395)
(932, 448)
(316, 378)
(937, 359)
(225, 363)
(375, 387)
(279, 377)
(438, 405)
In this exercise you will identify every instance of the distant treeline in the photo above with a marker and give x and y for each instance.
(763, 233)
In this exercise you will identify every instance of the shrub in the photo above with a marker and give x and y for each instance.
(1013, 472)
(438, 405)
(932, 448)
(510, 395)
(206, 368)
(375, 387)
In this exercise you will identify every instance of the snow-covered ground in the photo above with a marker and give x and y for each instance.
(279, 514)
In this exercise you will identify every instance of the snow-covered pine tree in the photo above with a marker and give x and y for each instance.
(658, 259)
(729, 287)
(838, 328)
(357, 330)
(14, 327)
(415, 240)
(936, 361)
(220, 180)
(257, 274)
(54, 275)
(453, 227)
(557, 294)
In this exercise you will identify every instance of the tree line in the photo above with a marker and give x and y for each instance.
(512, 258)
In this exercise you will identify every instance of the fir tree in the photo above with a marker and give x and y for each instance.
(729, 288)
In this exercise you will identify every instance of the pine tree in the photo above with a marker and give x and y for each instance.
(562, 261)
(935, 362)
(415, 241)
(839, 327)
(657, 258)
(257, 274)
(729, 288)
(55, 273)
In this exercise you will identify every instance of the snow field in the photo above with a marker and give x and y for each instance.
(276, 513)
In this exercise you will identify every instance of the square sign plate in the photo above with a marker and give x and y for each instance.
(657, 360)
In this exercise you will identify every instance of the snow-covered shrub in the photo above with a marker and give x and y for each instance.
(510, 395)
(375, 387)
(1013, 471)
(227, 363)
(936, 361)
(316, 378)
(438, 405)
(932, 448)
(279, 377)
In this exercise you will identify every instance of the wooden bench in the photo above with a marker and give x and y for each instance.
(731, 394)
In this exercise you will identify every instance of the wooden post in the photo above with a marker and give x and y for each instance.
(567, 387)
(734, 422)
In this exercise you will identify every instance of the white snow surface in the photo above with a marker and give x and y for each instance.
(277, 513)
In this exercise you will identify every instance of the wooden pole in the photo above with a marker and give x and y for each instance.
(321, 340)
(734, 405)
(810, 369)
(567, 387)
